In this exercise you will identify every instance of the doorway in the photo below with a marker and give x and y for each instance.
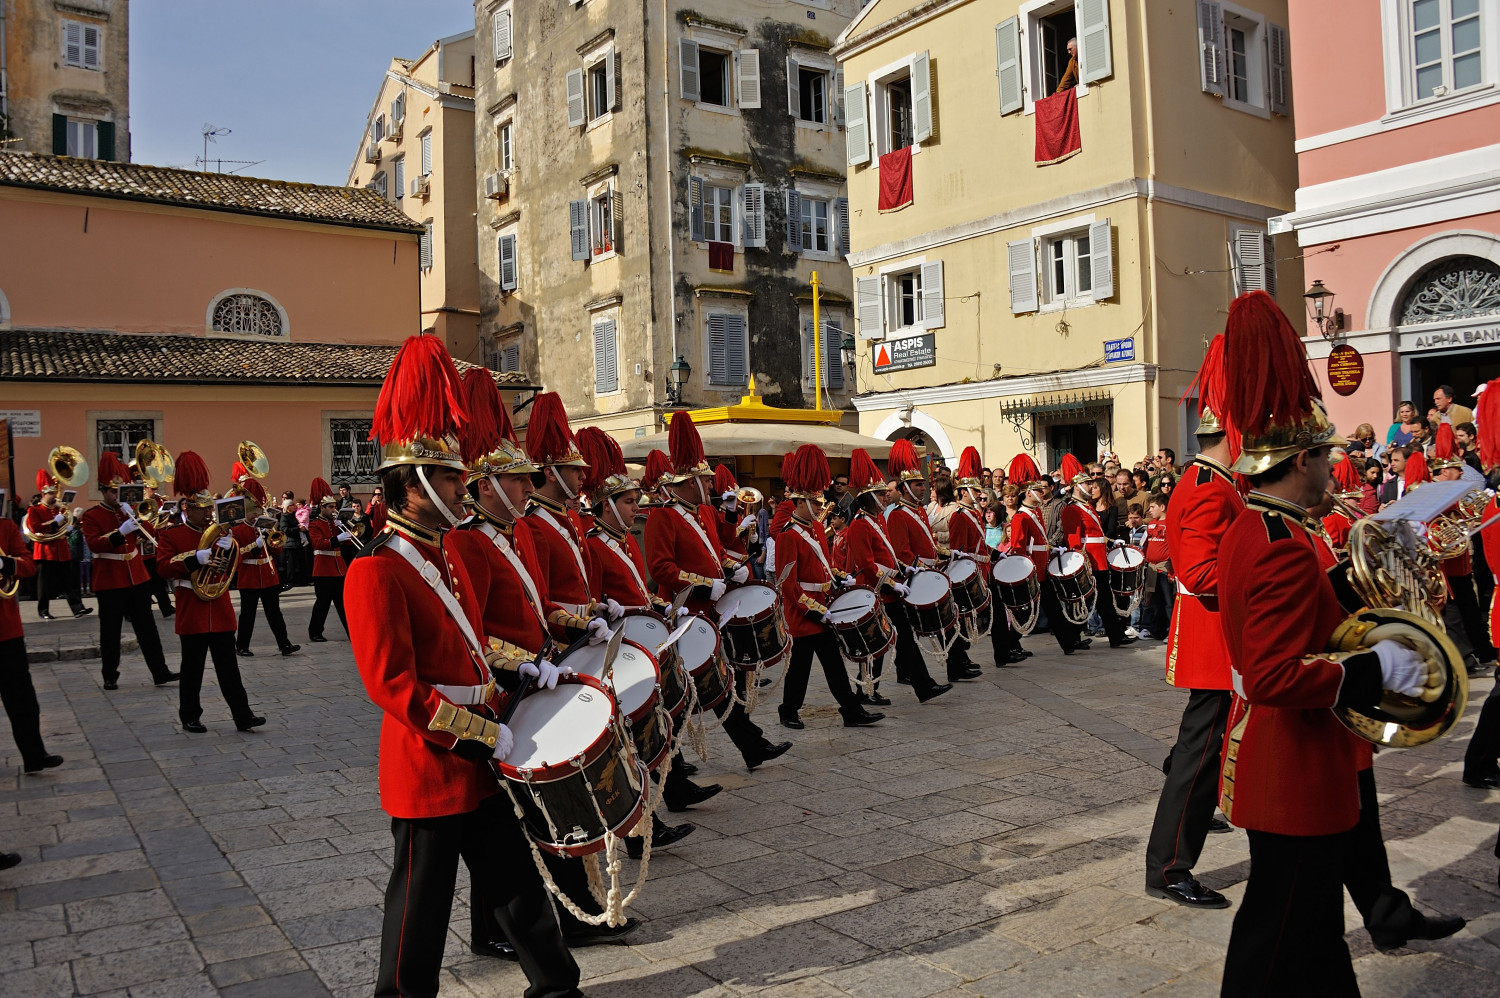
(1463, 370)
(1079, 439)
(1056, 30)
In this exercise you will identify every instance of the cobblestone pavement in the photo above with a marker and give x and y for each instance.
(987, 844)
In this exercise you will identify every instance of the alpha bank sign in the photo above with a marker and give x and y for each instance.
(1450, 339)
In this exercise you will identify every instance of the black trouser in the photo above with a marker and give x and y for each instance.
(910, 665)
(270, 599)
(1480, 758)
(1191, 791)
(329, 591)
(1367, 872)
(419, 901)
(745, 733)
(195, 650)
(794, 686)
(1288, 935)
(132, 603)
(1466, 603)
(156, 588)
(1064, 630)
(54, 577)
(19, 697)
(1104, 603)
(958, 658)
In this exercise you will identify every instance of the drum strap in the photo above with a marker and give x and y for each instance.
(817, 550)
(921, 523)
(545, 515)
(1041, 530)
(969, 513)
(533, 597)
(624, 556)
(434, 577)
(880, 532)
(692, 520)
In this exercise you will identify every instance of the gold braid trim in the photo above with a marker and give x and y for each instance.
(503, 656)
(808, 603)
(464, 725)
(695, 580)
(562, 618)
(655, 601)
(185, 555)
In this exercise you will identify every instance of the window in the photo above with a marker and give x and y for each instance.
(247, 314)
(1445, 51)
(601, 223)
(1252, 261)
(718, 214)
(591, 92)
(1460, 287)
(507, 148)
(510, 358)
(1243, 58)
(833, 360)
(509, 264)
(596, 223)
(1053, 34)
(81, 45)
(377, 131)
(599, 98)
(1031, 50)
(713, 71)
(427, 153)
(378, 184)
(398, 170)
(1070, 271)
(83, 139)
(355, 455)
(606, 358)
(398, 113)
(704, 75)
(899, 112)
(121, 436)
(807, 92)
(1065, 265)
(502, 36)
(898, 120)
(905, 292)
(728, 350)
(813, 225)
(424, 249)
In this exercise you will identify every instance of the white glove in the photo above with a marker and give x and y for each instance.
(682, 611)
(343, 536)
(844, 581)
(129, 527)
(58, 518)
(1117, 544)
(1061, 550)
(126, 507)
(544, 672)
(728, 496)
(1401, 669)
(613, 609)
(260, 541)
(749, 521)
(597, 631)
(203, 556)
(741, 574)
(716, 590)
(504, 742)
(225, 543)
(900, 589)
(731, 504)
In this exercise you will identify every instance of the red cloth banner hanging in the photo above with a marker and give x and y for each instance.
(895, 180)
(1057, 135)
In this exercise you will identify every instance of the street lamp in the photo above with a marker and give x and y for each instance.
(850, 354)
(677, 379)
(1320, 310)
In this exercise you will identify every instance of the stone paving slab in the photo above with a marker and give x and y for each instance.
(988, 843)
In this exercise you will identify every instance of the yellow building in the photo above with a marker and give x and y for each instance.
(1065, 307)
(417, 150)
(65, 78)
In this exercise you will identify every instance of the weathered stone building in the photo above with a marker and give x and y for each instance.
(65, 78)
(660, 181)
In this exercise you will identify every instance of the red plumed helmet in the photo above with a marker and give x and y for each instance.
(191, 475)
(1416, 470)
(1070, 468)
(806, 471)
(1487, 421)
(903, 462)
(657, 465)
(44, 481)
(548, 439)
(1022, 470)
(603, 454)
(1444, 446)
(1347, 476)
(112, 471)
(723, 479)
(1210, 385)
(685, 444)
(970, 465)
(238, 474)
(319, 491)
(864, 476)
(257, 491)
(481, 432)
(422, 395)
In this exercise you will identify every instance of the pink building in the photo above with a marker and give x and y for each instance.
(1398, 208)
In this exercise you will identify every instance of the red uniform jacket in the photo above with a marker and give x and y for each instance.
(376, 513)
(966, 535)
(1028, 537)
(257, 564)
(802, 564)
(911, 536)
(1337, 525)
(1491, 542)
(618, 569)
(558, 537)
(118, 561)
(510, 613)
(39, 521)
(404, 643)
(177, 559)
(13, 543)
(1086, 533)
(328, 560)
(1290, 766)
(682, 550)
(730, 539)
(839, 550)
(1205, 504)
(871, 556)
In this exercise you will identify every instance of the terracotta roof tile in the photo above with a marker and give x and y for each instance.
(211, 191)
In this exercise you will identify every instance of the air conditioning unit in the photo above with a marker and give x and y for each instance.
(421, 187)
(496, 186)
(395, 133)
(372, 152)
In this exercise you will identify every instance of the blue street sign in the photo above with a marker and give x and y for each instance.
(1115, 350)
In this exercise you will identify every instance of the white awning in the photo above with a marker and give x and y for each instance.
(764, 439)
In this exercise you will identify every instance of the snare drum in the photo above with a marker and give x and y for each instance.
(637, 690)
(1127, 571)
(650, 631)
(754, 634)
(930, 606)
(1073, 580)
(859, 623)
(703, 658)
(969, 591)
(571, 765)
(1016, 582)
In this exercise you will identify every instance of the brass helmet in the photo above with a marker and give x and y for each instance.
(420, 408)
(487, 443)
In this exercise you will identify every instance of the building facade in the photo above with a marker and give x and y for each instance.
(660, 181)
(1047, 295)
(417, 151)
(1398, 212)
(65, 78)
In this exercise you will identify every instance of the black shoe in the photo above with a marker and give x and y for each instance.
(1016, 657)
(1491, 782)
(761, 684)
(874, 700)
(962, 675)
(46, 762)
(292, 650)
(253, 721)
(933, 692)
(686, 768)
(244, 652)
(500, 950)
(593, 935)
(46, 616)
(1025, 653)
(765, 753)
(1421, 927)
(1218, 825)
(170, 677)
(1083, 644)
(1191, 894)
(169, 612)
(1123, 642)
(661, 837)
(316, 637)
(693, 795)
(194, 727)
(111, 686)
(861, 719)
(9, 859)
(286, 587)
(83, 611)
(789, 719)
(903, 682)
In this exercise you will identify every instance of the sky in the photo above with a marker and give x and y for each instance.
(292, 79)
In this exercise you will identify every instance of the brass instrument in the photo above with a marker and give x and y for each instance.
(154, 464)
(67, 468)
(1401, 721)
(270, 531)
(9, 584)
(147, 511)
(213, 580)
(1449, 534)
(748, 498)
(253, 458)
(358, 529)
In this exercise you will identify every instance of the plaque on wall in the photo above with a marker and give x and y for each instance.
(1346, 369)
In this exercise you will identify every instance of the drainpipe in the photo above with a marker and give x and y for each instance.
(1148, 327)
(4, 88)
(666, 139)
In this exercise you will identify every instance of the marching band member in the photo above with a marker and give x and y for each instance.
(873, 562)
(257, 579)
(911, 535)
(156, 585)
(1080, 521)
(325, 534)
(54, 558)
(1448, 465)
(1206, 503)
(416, 616)
(1028, 536)
(683, 552)
(966, 539)
(16, 691)
(735, 527)
(1482, 757)
(204, 626)
(120, 582)
(808, 582)
(1348, 488)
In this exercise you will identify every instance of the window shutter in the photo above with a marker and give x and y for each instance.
(606, 358)
(687, 54)
(617, 213)
(426, 247)
(398, 108)
(1247, 252)
(427, 154)
(932, 295)
(695, 208)
(841, 215)
(867, 304)
(1095, 60)
(59, 135)
(1211, 47)
(755, 214)
(857, 137)
(609, 80)
(736, 350)
(793, 88)
(1021, 257)
(1008, 64)
(578, 228)
(1102, 259)
(510, 359)
(72, 43)
(794, 221)
(107, 143)
(748, 64)
(90, 47)
(833, 363)
(576, 113)
(400, 171)
(1268, 258)
(1276, 68)
(508, 263)
(808, 360)
(502, 35)
(718, 364)
(921, 98)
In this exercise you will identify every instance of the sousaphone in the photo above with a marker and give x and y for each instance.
(69, 470)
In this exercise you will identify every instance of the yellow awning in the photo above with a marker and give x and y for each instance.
(764, 439)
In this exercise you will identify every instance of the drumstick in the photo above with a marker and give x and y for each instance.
(526, 681)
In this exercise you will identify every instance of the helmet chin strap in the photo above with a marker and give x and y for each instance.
(613, 509)
(562, 484)
(504, 499)
(431, 494)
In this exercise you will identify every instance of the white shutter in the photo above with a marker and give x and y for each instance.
(1247, 251)
(1008, 64)
(400, 170)
(736, 349)
(1211, 47)
(857, 137)
(932, 295)
(1021, 258)
(794, 221)
(606, 358)
(841, 219)
(507, 263)
(578, 229)
(90, 47)
(695, 209)
(426, 154)
(1101, 256)
(687, 53)
(426, 247)
(1277, 69)
(921, 98)
(754, 201)
(793, 88)
(72, 43)
(576, 111)
(609, 81)
(502, 36)
(867, 305)
(748, 64)
(1095, 60)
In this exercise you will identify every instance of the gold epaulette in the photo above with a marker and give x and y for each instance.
(656, 602)
(808, 603)
(503, 656)
(562, 618)
(465, 725)
(695, 580)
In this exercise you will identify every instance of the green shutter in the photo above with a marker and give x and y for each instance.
(106, 140)
(59, 135)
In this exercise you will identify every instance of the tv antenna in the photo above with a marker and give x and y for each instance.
(211, 133)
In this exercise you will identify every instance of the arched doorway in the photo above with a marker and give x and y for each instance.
(1458, 300)
(914, 423)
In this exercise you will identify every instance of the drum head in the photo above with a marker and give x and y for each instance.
(635, 680)
(1014, 570)
(648, 632)
(852, 605)
(698, 643)
(586, 661)
(960, 570)
(552, 726)
(1126, 558)
(1066, 564)
(746, 601)
(929, 587)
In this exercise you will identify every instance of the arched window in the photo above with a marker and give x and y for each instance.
(243, 312)
(1459, 287)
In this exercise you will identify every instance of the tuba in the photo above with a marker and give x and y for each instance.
(253, 458)
(213, 580)
(749, 497)
(154, 464)
(67, 468)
